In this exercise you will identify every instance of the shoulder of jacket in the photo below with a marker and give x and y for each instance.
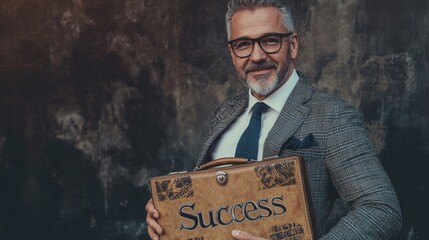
(227, 104)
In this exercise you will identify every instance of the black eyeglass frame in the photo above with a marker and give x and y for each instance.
(258, 40)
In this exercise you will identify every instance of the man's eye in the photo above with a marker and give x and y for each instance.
(270, 41)
(242, 44)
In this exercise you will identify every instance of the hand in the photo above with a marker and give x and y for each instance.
(241, 235)
(152, 216)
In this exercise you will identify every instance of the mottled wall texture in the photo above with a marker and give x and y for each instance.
(97, 96)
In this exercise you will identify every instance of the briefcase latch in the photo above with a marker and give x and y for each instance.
(221, 177)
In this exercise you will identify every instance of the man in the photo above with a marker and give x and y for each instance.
(297, 119)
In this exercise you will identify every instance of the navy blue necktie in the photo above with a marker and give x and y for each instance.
(247, 146)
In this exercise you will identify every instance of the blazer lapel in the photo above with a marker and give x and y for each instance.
(290, 119)
(224, 118)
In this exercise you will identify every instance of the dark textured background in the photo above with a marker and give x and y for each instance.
(97, 96)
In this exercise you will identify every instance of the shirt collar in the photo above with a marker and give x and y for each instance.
(278, 99)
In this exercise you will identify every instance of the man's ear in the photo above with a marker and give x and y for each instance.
(294, 46)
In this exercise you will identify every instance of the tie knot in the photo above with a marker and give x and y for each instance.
(258, 109)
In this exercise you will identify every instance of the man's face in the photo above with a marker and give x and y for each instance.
(263, 73)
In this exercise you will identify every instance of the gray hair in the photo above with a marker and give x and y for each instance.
(237, 5)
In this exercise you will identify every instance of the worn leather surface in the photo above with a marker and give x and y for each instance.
(265, 198)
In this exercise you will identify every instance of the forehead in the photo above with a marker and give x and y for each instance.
(257, 22)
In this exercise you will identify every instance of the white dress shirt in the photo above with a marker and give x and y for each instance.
(227, 144)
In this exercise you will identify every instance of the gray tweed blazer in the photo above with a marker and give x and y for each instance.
(340, 161)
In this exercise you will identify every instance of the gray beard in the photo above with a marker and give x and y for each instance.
(262, 86)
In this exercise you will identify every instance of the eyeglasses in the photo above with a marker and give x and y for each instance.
(271, 43)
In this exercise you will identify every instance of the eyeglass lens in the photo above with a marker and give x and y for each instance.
(269, 44)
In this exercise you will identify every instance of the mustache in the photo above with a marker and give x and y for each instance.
(259, 66)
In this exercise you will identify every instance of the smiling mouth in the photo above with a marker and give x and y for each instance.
(260, 71)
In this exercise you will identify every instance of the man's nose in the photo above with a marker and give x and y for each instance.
(257, 54)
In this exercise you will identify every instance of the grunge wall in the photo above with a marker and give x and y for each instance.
(97, 96)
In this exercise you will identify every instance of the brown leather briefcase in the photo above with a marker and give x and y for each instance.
(265, 198)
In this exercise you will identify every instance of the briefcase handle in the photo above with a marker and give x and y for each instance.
(224, 161)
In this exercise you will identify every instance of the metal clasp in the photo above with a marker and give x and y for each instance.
(221, 177)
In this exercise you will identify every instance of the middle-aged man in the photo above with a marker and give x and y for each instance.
(297, 119)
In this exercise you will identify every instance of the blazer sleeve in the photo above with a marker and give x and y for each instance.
(360, 180)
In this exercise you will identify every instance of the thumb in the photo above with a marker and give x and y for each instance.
(241, 235)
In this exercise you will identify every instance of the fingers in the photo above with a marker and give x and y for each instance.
(152, 234)
(151, 210)
(154, 229)
(241, 235)
(154, 225)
